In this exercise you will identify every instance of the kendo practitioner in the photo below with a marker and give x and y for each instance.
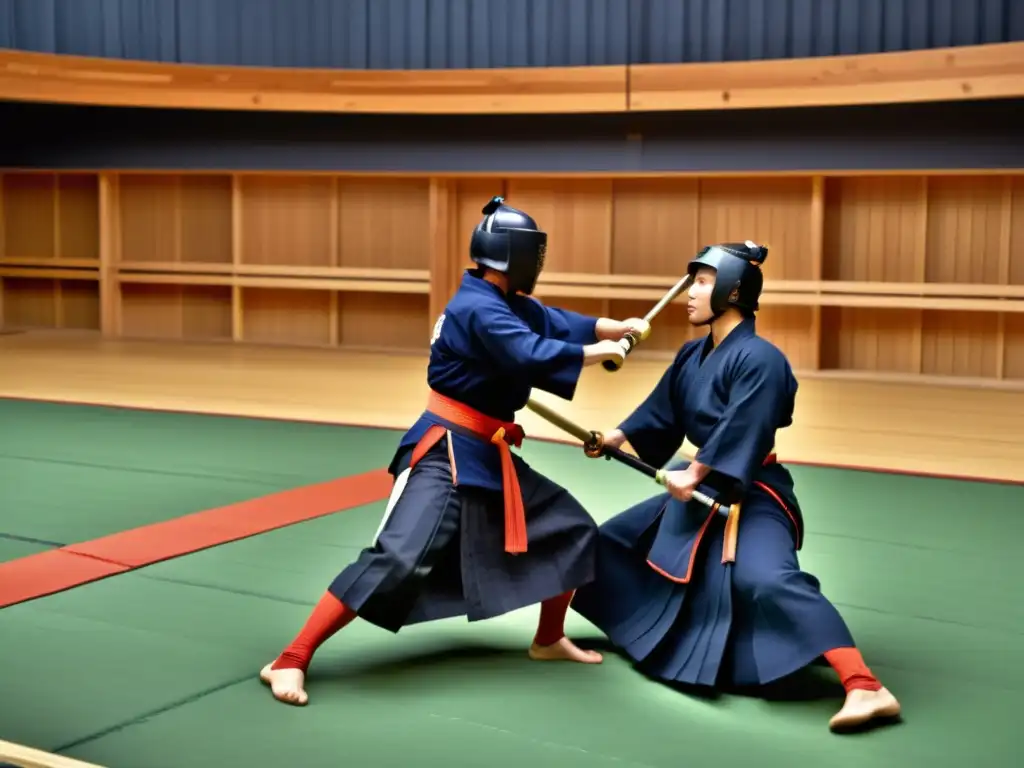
(694, 596)
(470, 528)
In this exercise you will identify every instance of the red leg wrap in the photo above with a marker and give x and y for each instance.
(853, 672)
(328, 617)
(551, 628)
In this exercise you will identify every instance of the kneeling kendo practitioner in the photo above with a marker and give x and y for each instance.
(442, 549)
(693, 596)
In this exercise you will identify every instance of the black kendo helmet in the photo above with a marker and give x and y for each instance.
(509, 241)
(738, 268)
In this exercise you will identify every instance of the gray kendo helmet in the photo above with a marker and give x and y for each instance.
(509, 241)
(738, 268)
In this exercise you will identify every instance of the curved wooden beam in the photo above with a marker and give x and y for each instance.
(121, 83)
(968, 72)
(941, 74)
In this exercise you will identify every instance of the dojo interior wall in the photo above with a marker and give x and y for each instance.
(894, 277)
(896, 296)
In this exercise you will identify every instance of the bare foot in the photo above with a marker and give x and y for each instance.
(564, 650)
(286, 684)
(862, 706)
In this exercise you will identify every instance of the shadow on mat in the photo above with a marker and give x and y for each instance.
(808, 684)
(448, 662)
(454, 660)
(813, 683)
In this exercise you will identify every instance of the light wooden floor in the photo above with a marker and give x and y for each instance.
(918, 428)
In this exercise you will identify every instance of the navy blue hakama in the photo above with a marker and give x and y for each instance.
(440, 552)
(684, 616)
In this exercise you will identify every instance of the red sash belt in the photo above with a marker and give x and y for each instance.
(502, 434)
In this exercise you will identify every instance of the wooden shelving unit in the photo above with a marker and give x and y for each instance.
(900, 276)
(49, 251)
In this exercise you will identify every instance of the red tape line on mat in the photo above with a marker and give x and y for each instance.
(54, 571)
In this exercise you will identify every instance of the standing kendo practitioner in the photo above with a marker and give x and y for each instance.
(686, 599)
(442, 550)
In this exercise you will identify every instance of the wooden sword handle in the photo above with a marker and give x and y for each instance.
(585, 436)
(593, 446)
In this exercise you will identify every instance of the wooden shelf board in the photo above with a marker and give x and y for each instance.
(568, 280)
(297, 283)
(42, 273)
(43, 261)
(797, 298)
(271, 270)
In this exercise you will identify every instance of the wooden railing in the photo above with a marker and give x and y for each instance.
(968, 72)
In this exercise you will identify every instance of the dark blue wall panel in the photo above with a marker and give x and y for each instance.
(908, 136)
(415, 34)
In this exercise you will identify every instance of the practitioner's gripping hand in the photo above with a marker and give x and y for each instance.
(613, 438)
(617, 330)
(604, 350)
(681, 483)
(599, 443)
(638, 327)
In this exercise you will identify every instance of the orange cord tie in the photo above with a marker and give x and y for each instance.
(515, 511)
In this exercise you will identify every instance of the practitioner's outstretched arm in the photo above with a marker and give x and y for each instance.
(568, 325)
(657, 427)
(548, 363)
